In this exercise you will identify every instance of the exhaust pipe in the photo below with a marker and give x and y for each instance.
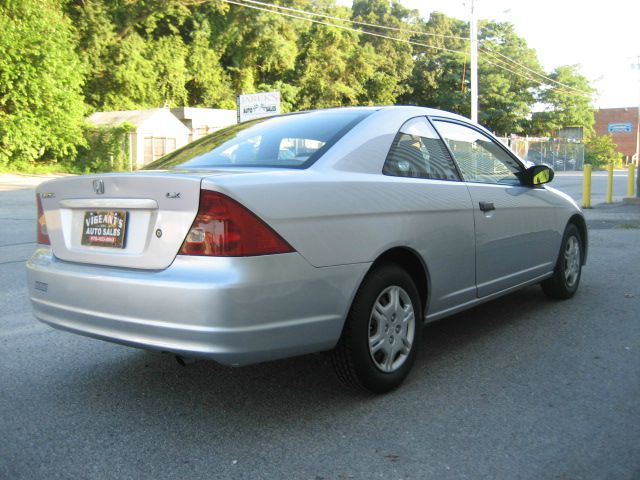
(184, 361)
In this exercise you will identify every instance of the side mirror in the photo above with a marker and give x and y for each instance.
(538, 175)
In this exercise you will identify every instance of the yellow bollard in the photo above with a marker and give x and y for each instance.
(610, 183)
(586, 187)
(631, 180)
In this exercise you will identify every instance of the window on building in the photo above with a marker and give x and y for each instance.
(156, 147)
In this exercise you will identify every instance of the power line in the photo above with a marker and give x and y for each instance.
(415, 32)
(495, 55)
(509, 68)
(343, 27)
(356, 22)
(267, 7)
(524, 75)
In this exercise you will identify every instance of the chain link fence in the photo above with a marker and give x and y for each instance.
(560, 154)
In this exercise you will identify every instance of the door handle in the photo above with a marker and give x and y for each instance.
(487, 206)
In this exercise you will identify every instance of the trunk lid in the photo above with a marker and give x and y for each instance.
(125, 220)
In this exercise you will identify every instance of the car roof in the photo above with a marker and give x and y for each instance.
(409, 109)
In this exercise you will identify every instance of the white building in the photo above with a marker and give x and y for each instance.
(202, 121)
(157, 132)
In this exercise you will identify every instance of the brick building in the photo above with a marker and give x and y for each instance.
(622, 124)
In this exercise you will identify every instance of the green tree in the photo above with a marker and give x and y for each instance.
(565, 106)
(168, 55)
(332, 68)
(507, 93)
(208, 84)
(148, 53)
(258, 47)
(439, 78)
(392, 60)
(128, 80)
(41, 106)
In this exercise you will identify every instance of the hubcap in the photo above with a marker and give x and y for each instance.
(391, 329)
(572, 261)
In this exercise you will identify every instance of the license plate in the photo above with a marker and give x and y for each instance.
(105, 228)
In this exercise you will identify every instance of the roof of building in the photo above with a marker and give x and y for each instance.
(212, 117)
(619, 109)
(136, 117)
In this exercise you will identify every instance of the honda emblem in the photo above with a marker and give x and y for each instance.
(98, 186)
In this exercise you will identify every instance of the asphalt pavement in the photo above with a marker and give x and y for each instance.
(519, 388)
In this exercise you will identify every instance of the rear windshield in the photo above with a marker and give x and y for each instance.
(288, 141)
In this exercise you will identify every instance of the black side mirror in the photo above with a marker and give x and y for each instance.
(538, 175)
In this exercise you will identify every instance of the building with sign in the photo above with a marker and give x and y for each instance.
(622, 124)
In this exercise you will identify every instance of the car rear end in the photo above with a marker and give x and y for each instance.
(153, 260)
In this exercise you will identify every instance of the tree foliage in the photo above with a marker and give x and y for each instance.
(107, 149)
(63, 59)
(564, 107)
(507, 93)
(600, 150)
(439, 77)
(41, 105)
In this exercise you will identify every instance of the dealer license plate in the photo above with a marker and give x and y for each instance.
(105, 228)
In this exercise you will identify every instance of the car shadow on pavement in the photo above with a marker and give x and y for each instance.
(155, 385)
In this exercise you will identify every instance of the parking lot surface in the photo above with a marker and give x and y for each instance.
(518, 388)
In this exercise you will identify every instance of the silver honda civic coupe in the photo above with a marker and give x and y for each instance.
(341, 230)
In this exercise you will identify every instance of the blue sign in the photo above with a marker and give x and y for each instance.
(620, 127)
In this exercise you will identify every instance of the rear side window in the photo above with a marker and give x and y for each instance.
(289, 141)
(418, 152)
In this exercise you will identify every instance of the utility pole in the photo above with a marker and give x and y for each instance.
(473, 37)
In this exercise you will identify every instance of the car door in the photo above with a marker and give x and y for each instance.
(514, 223)
(437, 210)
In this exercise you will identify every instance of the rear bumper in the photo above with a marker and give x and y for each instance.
(235, 311)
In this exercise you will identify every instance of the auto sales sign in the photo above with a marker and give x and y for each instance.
(257, 105)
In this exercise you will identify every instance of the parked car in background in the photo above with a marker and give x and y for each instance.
(341, 230)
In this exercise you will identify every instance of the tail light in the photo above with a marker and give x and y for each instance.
(43, 235)
(224, 228)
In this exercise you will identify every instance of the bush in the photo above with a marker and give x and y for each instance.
(107, 150)
(600, 151)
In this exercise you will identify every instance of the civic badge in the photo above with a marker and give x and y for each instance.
(98, 186)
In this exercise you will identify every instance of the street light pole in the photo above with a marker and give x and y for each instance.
(473, 37)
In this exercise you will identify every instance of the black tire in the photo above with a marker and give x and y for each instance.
(566, 274)
(355, 362)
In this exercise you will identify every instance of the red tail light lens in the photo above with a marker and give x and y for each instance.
(43, 235)
(224, 228)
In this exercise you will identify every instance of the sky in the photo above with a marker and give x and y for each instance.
(603, 38)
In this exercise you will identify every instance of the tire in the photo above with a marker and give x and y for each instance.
(566, 274)
(382, 332)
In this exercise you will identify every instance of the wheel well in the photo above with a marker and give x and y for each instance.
(579, 222)
(410, 261)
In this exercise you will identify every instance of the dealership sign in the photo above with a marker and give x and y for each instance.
(257, 105)
(620, 127)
